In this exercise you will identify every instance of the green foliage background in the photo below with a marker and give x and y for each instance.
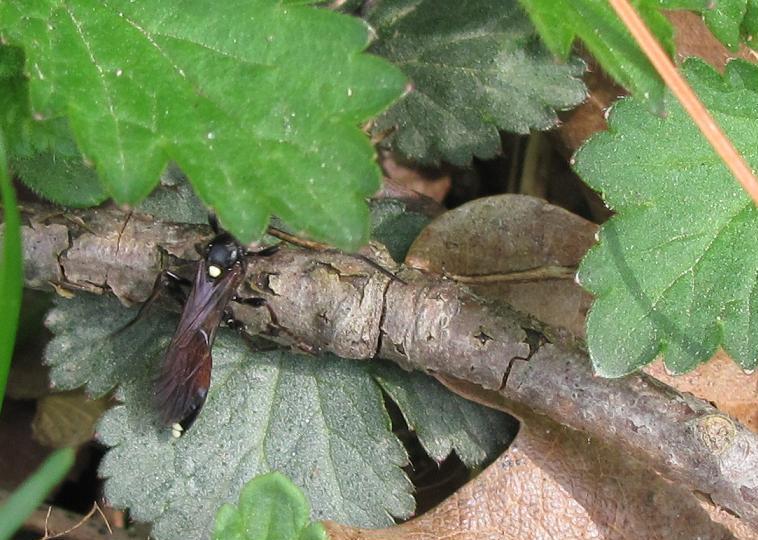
(263, 107)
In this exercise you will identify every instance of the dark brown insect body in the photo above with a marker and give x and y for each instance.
(185, 376)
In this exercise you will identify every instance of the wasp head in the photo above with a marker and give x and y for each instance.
(223, 253)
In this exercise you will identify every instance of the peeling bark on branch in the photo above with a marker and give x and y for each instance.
(329, 301)
(338, 303)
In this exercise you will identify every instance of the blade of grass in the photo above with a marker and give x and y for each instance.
(32, 492)
(11, 272)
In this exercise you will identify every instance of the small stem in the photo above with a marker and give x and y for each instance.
(95, 508)
(534, 274)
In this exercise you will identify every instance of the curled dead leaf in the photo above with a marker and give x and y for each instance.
(513, 247)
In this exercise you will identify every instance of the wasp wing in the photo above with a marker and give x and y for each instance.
(183, 382)
(182, 385)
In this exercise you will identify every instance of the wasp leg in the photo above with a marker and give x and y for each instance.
(375, 265)
(230, 321)
(166, 281)
(174, 283)
(228, 317)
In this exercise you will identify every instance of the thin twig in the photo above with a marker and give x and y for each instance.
(687, 97)
(296, 240)
(85, 518)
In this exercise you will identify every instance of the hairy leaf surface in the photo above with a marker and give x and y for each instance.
(396, 225)
(476, 68)
(60, 177)
(675, 270)
(94, 347)
(431, 411)
(561, 22)
(321, 421)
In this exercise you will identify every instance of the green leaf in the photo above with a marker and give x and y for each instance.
(750, 22)
(724, 20)
(476, 67)
(43, 154)
(14, 97)
(32, 492)
(257, 102)
(62, 178)
(174, 200)
(11, 271)
(396, 226)
(675, 270)
(321, 421)
(444, 421)
(11, 62)
(271, 507)
(90, 347)
(594, 22)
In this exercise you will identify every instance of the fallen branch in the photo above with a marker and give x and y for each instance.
(330, 301)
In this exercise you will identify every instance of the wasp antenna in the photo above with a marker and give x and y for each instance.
(213, 222)
(166, 280)
(264, 252)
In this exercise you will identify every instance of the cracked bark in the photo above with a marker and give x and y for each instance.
(329, 301)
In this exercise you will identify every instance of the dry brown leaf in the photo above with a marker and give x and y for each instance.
(518, 248)
(589, 117)
(720, 381)
(67, 418)
(555, 483)
(692, 38)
